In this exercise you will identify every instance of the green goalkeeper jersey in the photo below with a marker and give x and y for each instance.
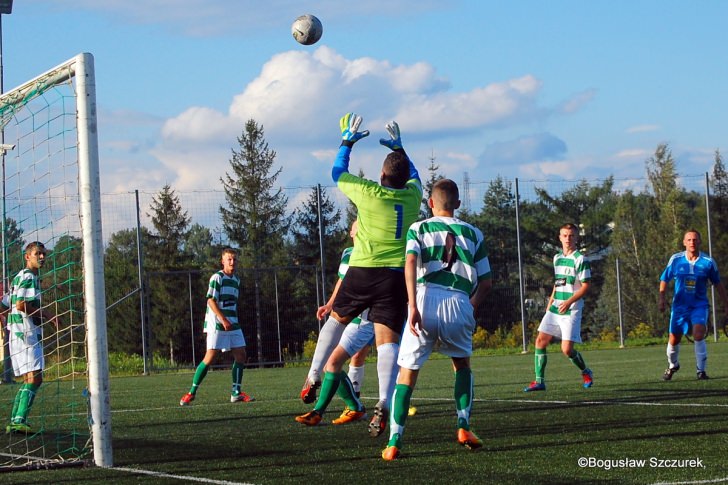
(384, 215)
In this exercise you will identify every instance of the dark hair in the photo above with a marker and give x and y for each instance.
(570, 226)
(33, 245)
(396, 170)
(446, 192)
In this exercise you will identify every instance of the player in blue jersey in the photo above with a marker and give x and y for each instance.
(691, 270)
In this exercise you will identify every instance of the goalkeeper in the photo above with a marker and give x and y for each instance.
(375, 278)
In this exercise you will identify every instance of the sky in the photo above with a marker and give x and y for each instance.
(562, 90)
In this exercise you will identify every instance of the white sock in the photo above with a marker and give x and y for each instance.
(701, 354)
(387, 369)
(672, 355)
(356, 376)
(327, 341)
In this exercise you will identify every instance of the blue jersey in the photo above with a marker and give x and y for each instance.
(691, 279)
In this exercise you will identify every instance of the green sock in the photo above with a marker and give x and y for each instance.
(16, 403)
(577, 359)
(237, 378)
(540, 365)
(32, 390)
(464, 396)
(200, 374)
(25, 397)
(398, 415)
(346, 392)
(329, 385)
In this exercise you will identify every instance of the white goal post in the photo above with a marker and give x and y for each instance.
(52, 208)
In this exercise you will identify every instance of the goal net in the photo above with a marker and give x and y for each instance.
(50, 193)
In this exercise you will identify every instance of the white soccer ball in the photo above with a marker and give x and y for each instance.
(307, 29)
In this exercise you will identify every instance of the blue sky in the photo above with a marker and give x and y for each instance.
(530, 89)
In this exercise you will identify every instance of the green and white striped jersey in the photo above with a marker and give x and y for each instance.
(570, 272)
(451, 253)
(343, 268)
(25, 287)
(344, 263)
(225, 291)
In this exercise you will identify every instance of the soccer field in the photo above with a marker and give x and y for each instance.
(631, 427)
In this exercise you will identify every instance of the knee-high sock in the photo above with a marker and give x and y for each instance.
(237, 371)
(27, 396)
(356, 376)
(199, 376)
(16, 403)
(346, 392)
(329, 386)
(328, 339)
(577, 359)
(464, 396)
(701, 354)
(387, 370)
(673, 352)
(540, 360)
(398, 413)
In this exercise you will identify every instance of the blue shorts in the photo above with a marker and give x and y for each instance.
(683, 319)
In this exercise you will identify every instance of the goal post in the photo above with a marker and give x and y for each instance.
(54, 196)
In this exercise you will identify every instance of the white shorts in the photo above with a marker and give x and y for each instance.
(447, 319)
(565, 327)
(356, 336)
(26, 352)
(225, 340)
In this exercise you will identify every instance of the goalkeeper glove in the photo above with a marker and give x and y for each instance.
(350, 133)
(395, 139)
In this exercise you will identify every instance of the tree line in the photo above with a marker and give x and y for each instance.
(641, 228)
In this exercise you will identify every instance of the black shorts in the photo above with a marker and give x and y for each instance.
(381, 290)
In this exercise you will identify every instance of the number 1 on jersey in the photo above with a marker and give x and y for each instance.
(399, 209)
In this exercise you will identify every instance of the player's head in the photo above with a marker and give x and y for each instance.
(691, 239)
(445, 196)
(354, 228)
(395, 170)
(569, 235)
(35, 253)
(228, 259)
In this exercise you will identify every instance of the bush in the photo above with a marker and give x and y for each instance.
(309, 346)
(642, 330)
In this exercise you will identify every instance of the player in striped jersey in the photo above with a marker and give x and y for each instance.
(356, 337)
(563, 313)
(26, 335)
(447, 275)
(691, 270)
(222, 328)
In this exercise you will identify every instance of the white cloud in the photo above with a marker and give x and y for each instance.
(643, 128)
(299, 96)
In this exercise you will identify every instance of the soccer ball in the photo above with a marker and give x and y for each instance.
(307, 29)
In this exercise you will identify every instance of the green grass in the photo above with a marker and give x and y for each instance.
(630, 413)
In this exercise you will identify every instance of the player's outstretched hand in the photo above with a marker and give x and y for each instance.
(350, 133)
(394, 142)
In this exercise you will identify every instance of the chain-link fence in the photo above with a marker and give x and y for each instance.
(520, 219)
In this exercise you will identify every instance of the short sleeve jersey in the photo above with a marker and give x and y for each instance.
(451, 254)
(224, 290)
(691, 279)
(384, 214)
(569, 272)
(25, 287)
